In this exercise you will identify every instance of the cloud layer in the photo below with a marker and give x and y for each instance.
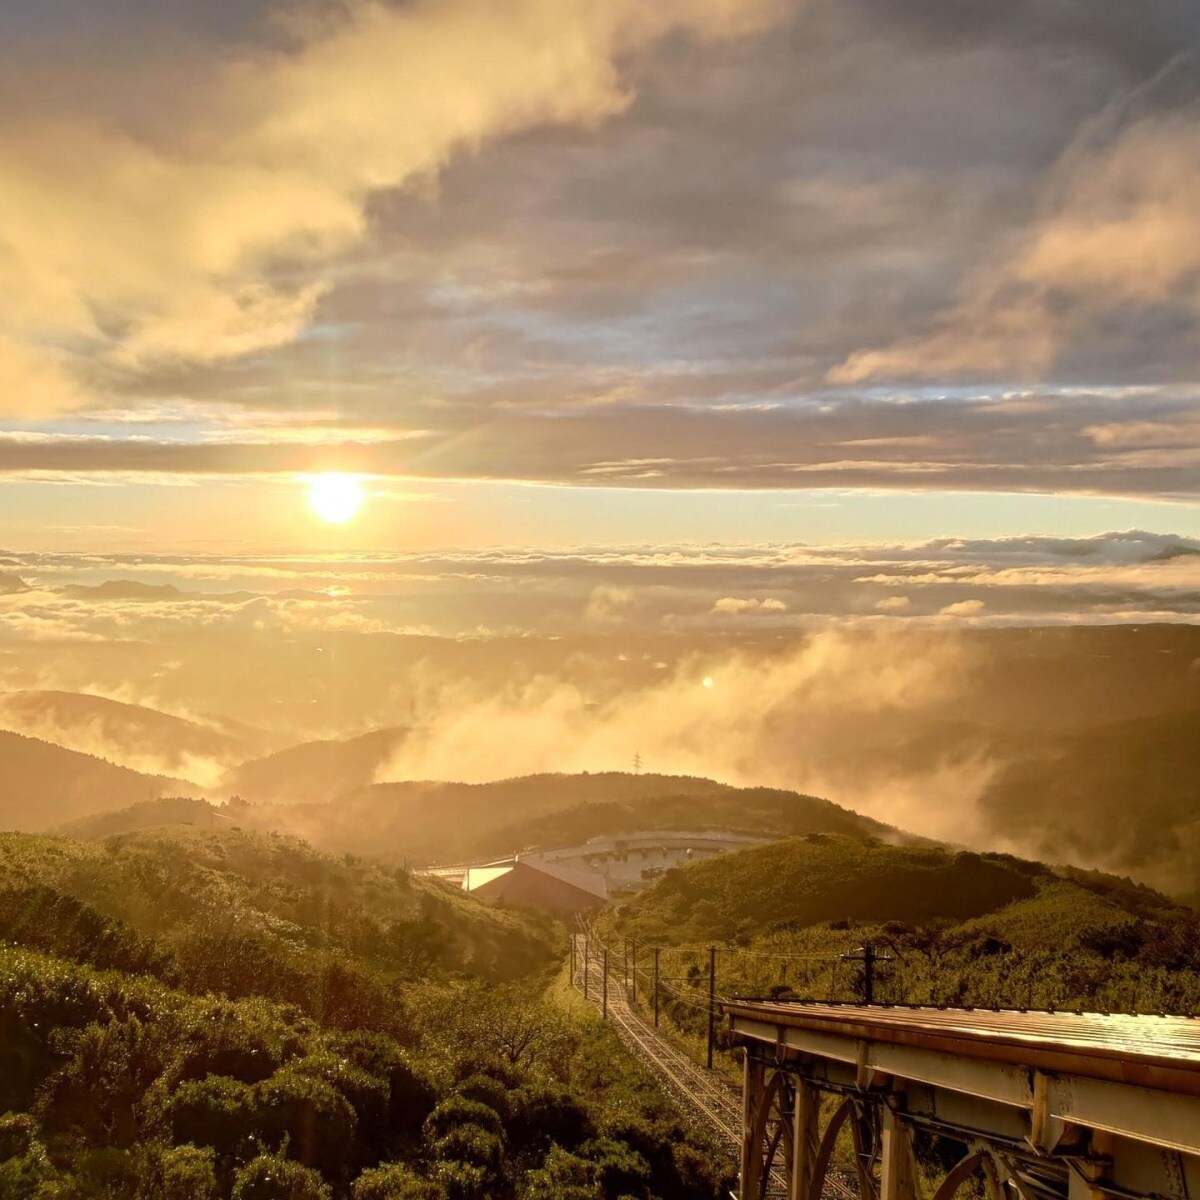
(694, 244)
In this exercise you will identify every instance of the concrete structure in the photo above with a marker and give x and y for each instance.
(600, 866)
(1046, 1106)
(630, 860)
(523, 882)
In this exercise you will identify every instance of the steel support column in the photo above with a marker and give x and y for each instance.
(805, 1140)
(897, 1179)
(753, 1094)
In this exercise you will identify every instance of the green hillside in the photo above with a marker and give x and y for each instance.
(797, 883)
(279, 897)
(960, 928)
(197, 1015)
(454, 822)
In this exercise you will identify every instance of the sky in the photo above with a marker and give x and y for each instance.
(779, 278)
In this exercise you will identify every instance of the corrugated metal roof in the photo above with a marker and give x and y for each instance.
(1099, 1044)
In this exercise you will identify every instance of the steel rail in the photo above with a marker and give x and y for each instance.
(692, 1086)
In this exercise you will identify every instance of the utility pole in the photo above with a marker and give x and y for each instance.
(655, 987)
(869, 959)
(604, 993)
(572, 958)
(637, 763)
(587, 958)
(625, 965)
(712, 1002)
(633, 972)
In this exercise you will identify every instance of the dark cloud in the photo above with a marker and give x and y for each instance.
(1139, 38)
(1032, 442)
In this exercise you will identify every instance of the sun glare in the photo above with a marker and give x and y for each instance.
(334, 497)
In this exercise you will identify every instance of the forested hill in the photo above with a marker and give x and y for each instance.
(271, 901)
(983, 929)
(313, 772)
(46, 785)
(448, 822)
(194, 1015)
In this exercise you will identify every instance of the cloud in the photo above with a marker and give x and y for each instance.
(1024, 441)
(121, 248)
(963, 608)
(1119, 232)
(793, 720)
(892, 604)
(737, 605)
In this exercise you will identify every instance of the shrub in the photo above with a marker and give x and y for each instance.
(458, 1110)
(462, 1181)
(411, 1095)
(96, 1093)
(313, 1115)
(273, 1177)
(177, 1173)
(563, 1176)
(542, 1114)
(485, 1090)
(394, 1181)
(24, 1166)
(470, 1144)
(217, 1112)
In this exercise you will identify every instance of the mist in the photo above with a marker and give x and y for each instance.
(825, 718)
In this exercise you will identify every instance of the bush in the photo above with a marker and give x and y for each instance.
(24, 1166)
(273, 1177)
(217, 1112)
(462, 1181)
(96, 1093)
(619, 1168)
(563, 1176)
(458, 1110)
(394, 1182)
(470, 1144)
(367, 1096)
(311, 1114)
(178, 1173)
(485, 1090)
(411, 1095)
(545, 1114)
(227, 1041)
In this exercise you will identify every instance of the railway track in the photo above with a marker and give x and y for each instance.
(714, 1103)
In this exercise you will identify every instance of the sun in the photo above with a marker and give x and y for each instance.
(335, 497)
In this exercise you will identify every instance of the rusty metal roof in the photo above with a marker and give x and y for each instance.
(1152, 1051)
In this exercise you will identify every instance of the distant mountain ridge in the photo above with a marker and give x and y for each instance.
(44, 785)
(142, 738)
(313, 772)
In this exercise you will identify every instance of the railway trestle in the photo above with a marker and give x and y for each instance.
(1036, 1106)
